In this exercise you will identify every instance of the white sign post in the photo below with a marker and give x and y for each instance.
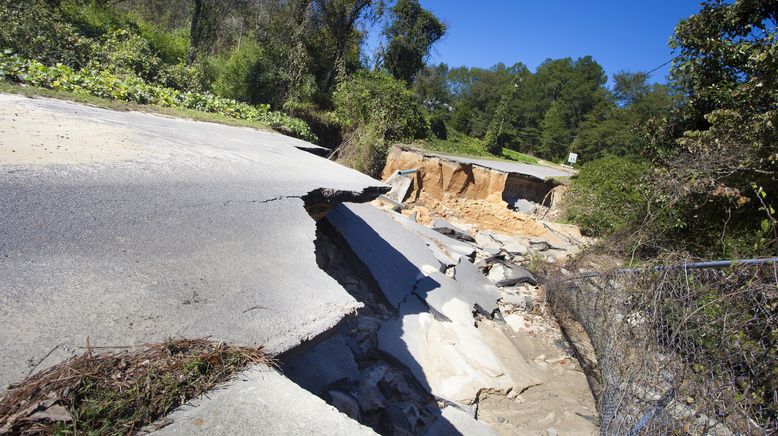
(572, 157)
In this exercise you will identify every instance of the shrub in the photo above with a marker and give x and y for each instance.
(376, 110)
(378, 100)
(123, 52)
(438, 126)
(246, 74)
(171, 46)
(34, 30)
(607, 195)
(104, 83)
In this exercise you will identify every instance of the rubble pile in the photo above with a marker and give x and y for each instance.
(453, 336)
(434, 347)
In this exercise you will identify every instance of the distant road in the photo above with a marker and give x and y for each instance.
(126, 228)
(538, 171)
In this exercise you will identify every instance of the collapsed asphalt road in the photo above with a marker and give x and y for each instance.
(123, 228)
(119, 229)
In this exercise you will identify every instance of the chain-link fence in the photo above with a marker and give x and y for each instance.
(687, 349)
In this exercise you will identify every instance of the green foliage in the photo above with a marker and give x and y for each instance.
(333, 42)
(608, 195)
(494, 134)
(629, 87)
(539, 113)
(85, 35)
(557, 134)
(438, 126)
(378, 110)
(411, 33)
(477, 92)
(460, 144)
(617, 126)
(432, 87)
(36, 31)
(103, 83)
(373, 98)
(247, 74)
(722, 140)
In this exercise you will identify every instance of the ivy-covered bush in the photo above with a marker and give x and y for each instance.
(378, 99)
(106, 84)
(376, 110)
(33, 30)
(246, 74)
(607, 195)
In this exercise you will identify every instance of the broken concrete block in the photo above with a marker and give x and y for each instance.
(449, 359)
(446, 228)
(491, 251)
(321, 366)
(486, 240)
(510, 245)
(345, 403)
(515, 321)
(540, 245)
(369, 397)
(400, 186)
(454, 421)
(472, 280)
(525, 302)
(259, 400)
(496, 273)
(446, 298)
(509, 274)
(525, 206)
(392, 253)
(451, 246)
(443, 257)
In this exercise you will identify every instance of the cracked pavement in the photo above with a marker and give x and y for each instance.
(118, 235)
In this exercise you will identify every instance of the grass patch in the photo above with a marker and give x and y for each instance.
(119, 105)
(462, 145)
(514, 155)
(120, 393)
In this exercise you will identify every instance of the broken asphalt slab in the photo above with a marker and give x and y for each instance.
(452, 247)
(202, 231)
(434, 335)
(448, 229)
(260, 401)
(509, 274)
(449, 358)
(537, 171)
(470, 278)
(394, 255)
(458, 422)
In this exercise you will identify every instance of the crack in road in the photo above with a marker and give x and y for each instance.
(269, 200)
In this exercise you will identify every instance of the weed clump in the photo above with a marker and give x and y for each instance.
(120, 393)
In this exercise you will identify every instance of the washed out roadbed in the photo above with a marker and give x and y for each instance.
(121, 392)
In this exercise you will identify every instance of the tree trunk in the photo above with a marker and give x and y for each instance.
(194, 31)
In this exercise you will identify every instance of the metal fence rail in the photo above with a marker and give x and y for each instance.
(679, 349)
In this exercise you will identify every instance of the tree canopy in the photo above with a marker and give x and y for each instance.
(411, 32)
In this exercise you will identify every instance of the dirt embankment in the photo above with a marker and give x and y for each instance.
(440, 178)
(463, 192)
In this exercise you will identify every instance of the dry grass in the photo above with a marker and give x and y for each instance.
(120, 393)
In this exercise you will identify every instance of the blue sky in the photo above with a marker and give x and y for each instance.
(619, 34)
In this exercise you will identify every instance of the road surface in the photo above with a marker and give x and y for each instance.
(537, 171)
(124, 228)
